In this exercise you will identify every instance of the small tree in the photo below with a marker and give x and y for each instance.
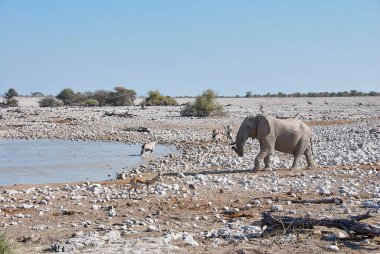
(11, 93)
(37, 94)
(122, 97)
(67, 95)
(50, 102)
(248, 94)
(102, 96)
(156, 99)
(203, 106)
(10, 101)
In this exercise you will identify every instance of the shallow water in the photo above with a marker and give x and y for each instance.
(46, 161)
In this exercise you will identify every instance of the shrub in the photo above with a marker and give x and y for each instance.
(5, 246)
(155, 98)
(203, 106)
(9, 100)
(37, 94)
(91, 103)
(67, 95)
(102, 96)
(122, 97)
(12, 102)
(11, 93)
(50, 102)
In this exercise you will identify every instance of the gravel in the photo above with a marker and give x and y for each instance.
(346, 149)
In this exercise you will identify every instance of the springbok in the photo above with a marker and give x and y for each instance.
(148, 147)
(139, 180)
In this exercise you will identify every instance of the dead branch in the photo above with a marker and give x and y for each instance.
(126, 114)
(139, 129)
(287, 117)
(337, 201)
(361, 216)
(351, 226)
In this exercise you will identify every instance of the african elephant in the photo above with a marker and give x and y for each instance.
(285, 135)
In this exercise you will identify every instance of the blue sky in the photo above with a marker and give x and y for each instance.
(185, 47)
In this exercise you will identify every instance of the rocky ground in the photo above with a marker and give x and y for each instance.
(208, 201)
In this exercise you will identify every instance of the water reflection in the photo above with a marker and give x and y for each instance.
(44, 161)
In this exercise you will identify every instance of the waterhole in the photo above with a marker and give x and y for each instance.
(48, 161)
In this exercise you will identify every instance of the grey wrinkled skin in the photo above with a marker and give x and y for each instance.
(290, 136)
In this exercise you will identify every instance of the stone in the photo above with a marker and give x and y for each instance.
(112, 236)
(276, 208)
(333, 248)
(112, 212)
(188, 239)
(151, 228)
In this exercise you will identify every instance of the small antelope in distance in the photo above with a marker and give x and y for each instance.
(139, 180)
(217, 134)
(148, 147)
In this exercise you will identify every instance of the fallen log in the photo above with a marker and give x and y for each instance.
(139, 129)
(286, 224)
(337, 201)
(126, 114)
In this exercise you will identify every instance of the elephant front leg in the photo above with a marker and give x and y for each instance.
(262, 154)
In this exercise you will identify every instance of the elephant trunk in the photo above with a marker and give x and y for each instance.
(239, 149)
(240, 142)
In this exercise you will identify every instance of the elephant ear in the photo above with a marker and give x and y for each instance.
(263, 126)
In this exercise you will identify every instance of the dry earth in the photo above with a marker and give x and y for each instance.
(208, 201)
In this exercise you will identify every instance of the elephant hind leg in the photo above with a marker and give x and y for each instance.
(309, 157)
(298, 151)
(295, 161)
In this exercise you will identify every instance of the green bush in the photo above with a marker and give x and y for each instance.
(5, 246)
(91, 103)
(119, 97)
(37, 94)
(11, 93)
(67, 95)
(50, 102)
(122, 97)
(11, 102)
(155, 98)
(203, 106)
(101, 96)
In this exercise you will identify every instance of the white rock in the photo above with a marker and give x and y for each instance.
(276, 208)
(333, 248)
